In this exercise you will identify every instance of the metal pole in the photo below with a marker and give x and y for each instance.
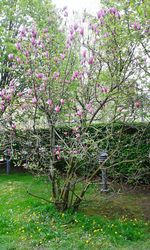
(8, 166)
(104, 181)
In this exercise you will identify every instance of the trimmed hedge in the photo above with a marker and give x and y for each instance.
(133, 151)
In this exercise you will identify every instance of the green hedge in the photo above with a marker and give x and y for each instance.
(134, 144)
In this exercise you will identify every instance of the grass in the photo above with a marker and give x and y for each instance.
(29, 223)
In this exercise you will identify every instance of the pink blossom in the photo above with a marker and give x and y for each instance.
(39, 42)
(91, 110)
(75, 75)
(62, 56)
(137, 104)
(10, 56)
(49, 102)
(62, 101)
(57, 152)
(56, 75)
(88, 106)
(71, 31)
(18, 46)
(13, 126)
(33, 41)
(11, 90)
(2, 107)
(8, 98)
(18, 59)
(84, 53)
(20, 94)
(104, 89)
(57, 109)
(27, 53)
(75, 26)
(91, 60)
(40, 75)
(81, 31)
(2, 93)
(101, 13)
(136, 26)
(146, 30)
(29, 91)
(71, 37)
(106, 35)
(43, 46)
(68, 45)
(22, 31)
(79, 113)
(34, 33)
(34, 100)
(11, 83)
(114, 11)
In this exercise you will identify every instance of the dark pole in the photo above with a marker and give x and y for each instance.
(8, 166)
(102, 158)
(104, 181)
(7, 154)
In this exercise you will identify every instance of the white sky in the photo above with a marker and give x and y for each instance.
(92, 6)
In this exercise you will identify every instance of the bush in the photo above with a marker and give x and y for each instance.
(130, 162)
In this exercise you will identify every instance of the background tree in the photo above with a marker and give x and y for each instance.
(14, 16)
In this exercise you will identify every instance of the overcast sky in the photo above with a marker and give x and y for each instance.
(92, 6)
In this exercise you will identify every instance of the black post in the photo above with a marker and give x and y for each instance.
(104, 181)
(7, 154)
(102, 158)
(8, 166)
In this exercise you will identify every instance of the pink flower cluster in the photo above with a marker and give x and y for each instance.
(56, 75)
(136, 26)
(57, 152)
(76, 75)
(103, 89)
(103, 12)
(114, 12)
(89, 107)
(79, 113)
(57, 108)
(138, 104)
(6, 96)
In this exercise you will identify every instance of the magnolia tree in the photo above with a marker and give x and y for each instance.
(91, 77)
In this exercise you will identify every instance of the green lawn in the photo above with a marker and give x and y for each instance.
(29, 223)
